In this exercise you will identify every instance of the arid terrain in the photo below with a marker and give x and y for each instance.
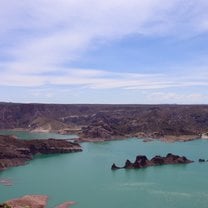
(96, 123)
(107, 122)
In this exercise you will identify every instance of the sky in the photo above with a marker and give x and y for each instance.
(112, 51)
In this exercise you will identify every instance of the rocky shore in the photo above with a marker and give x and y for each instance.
(142, 161)
(32, 201)
(15, 152)
(144, 137)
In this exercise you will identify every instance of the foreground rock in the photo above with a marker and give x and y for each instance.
(14, 152)
(32, 201)
(143, 162)
(66, 204)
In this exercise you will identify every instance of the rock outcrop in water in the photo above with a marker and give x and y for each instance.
(201, 160)
(32, 201)
(14, 152)
(143, 162)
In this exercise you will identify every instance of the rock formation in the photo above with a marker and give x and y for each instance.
(143, 162)
(14, 152)
(32, 201)
(202, 160)
(107, 122)
(66, 204)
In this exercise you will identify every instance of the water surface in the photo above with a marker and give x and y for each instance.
(27, 135)
(86, 177)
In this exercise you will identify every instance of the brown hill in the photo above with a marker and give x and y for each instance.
(46, 124)
(108, 121)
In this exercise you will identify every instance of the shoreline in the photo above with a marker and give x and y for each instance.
(145, 137)
(166, 138)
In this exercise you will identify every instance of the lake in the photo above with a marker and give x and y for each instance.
(27, 135)
(86, 177)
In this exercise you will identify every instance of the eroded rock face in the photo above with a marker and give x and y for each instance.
(14, 152)
(142, 161)
(107, 122)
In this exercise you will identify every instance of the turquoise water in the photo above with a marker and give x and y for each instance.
(36, 135)
(86, 177)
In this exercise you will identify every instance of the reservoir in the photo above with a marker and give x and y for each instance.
(86, 177)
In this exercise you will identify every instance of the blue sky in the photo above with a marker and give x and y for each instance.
(93, 51)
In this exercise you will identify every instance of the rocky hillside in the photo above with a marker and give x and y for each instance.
(108, 121)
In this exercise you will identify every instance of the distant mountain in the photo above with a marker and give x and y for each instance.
(107, 121)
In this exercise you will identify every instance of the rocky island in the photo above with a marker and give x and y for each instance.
(142, 161)
(14, 152)
(109, 122)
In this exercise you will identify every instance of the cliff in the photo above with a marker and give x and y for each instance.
(107, 122)
(14, 152)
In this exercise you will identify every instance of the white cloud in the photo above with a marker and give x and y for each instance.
(180, 98)
(44, 35)
(54, 32)
(101, 79)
